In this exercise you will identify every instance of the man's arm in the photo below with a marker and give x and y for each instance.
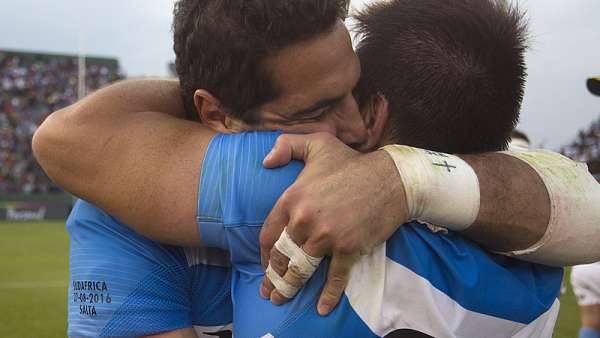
(116, 150)
(514, 212)
(143, 167)
(514, 203)
(573, 229)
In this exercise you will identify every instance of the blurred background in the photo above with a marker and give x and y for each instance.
(52, 53)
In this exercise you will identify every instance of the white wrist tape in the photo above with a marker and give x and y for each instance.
(301, 264)
(573, 233)
(440, 188)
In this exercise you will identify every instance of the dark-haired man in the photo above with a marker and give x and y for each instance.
(214, 114)
(239, 65)
(418, 281)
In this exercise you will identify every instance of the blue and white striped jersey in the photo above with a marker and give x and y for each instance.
(439, 285)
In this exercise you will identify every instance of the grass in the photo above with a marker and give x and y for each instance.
(34, 277)
(33, 280)
(568, 319)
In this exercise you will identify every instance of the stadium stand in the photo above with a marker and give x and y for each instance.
(32, 86)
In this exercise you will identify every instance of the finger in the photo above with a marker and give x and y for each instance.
(277, 298)
(293, 275)
(291, 278)
(294, 278)
(315, 247)
(288, 147)
(279, 262)
(282, 287)
(280, 155)
(271, 230)
(337, 279)
(266, 288)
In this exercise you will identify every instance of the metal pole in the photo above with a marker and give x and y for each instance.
(81, 69)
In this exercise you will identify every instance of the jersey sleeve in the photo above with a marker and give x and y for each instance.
(122, 284)
(236, 193)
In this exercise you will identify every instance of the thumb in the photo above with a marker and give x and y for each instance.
(286, 148)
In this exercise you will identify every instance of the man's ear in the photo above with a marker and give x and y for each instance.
(375, 115)
(210, 111)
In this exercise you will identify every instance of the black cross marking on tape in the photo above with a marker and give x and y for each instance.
(445, 165)
(435, 153)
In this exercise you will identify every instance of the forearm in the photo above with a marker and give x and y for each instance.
(514, 203)
(536, 205)
(571, 232)
(140, 166)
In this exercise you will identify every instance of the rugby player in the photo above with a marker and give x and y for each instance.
(125, 285)
(379, 300)
(585, 280)
(518, 141)
(174, 287)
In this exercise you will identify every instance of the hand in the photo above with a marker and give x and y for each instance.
(343, 204)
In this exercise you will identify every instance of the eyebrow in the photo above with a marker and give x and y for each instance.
(321, 104)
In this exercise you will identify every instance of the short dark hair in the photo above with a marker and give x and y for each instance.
(453, 71)
(221, 46)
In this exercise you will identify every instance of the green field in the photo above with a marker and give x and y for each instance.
(33, 280)
(34, 276)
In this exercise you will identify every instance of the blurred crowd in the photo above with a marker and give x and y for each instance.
(586, 146)
(34, 85)
(31, 87)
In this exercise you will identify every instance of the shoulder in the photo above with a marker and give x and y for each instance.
(235, 188)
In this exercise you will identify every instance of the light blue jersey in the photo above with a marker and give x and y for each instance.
(418, 283)
(124, 285)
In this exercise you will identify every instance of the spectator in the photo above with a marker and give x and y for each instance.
(518, 141)
(586, 147)
(31, 87)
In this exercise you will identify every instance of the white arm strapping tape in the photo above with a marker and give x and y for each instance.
(573, 233)
(301, 264)
(440, 188)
